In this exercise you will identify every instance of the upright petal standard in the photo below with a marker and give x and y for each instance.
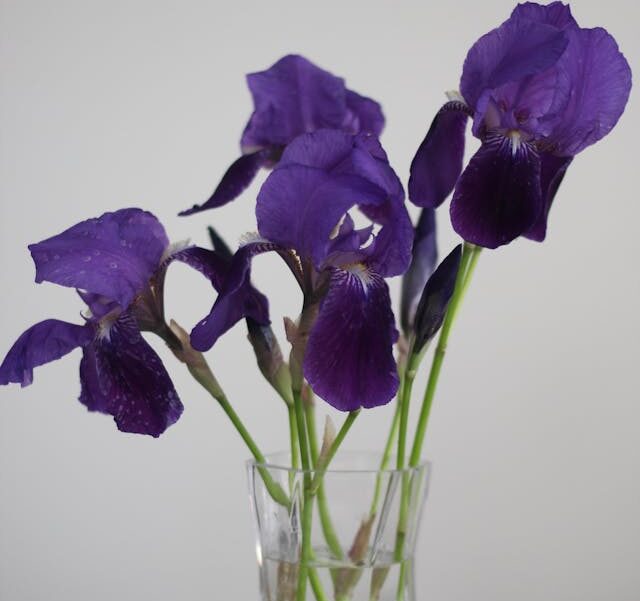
(540, 90)
(292, 97)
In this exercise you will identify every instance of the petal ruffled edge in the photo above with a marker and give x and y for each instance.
(113, 255)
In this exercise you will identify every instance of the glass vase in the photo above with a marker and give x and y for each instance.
(348, 532)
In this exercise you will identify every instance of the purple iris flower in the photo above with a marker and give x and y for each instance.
(117, 263)
(303, 213)
(540, 89)
(292, 97)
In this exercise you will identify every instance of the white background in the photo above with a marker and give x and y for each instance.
(534, 434)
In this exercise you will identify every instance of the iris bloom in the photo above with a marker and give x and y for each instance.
(290, 98)
(540, 89)
(303, 213)
(117, 263)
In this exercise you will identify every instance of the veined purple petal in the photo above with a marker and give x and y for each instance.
(498, 196)
(236, 300)
(113, 255)
(435, 298)
(595, 81)
(42, 343)
(236, 180)
(438, 162)
(298, 206)
(423, 262)
(338, 153)
(515, 50)
(555, 13)
(122, 375)
(292, 97)
(553, 169)
(349, 358)
(363, 115)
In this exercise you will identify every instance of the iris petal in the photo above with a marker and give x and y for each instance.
(122, 376)
(498, 196)
(291, 97)
(435, 298)
(438, 162)
(42, 343)
(554, 13)
(236, 179)
(113, 255)
(553, 169)
(298, 206)
(349, 358)
(236, 300)
(515, 50)
(423, 261)
(363, 115)
(595, 79)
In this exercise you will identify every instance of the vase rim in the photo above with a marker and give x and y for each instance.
(341, 464)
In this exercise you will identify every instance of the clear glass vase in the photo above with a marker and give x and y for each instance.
(355, 541)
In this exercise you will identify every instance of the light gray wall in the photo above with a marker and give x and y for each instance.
(534, 436)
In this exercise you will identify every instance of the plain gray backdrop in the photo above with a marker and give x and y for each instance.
(535, 431)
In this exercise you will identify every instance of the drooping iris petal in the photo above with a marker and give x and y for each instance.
(113, 255)
(435, 298)
(423, 261)
(122, 376)
(42, 343)
(237, 178)
(292, 97)
(208, 262)
(553, 169)
(555, 13)
(438, 162)
(596, 80)
(498, 196)
(515, 50)
(298, 206)
(236, 300)
(349, 358)
(363, 115)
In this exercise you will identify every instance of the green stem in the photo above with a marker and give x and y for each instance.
(323, 462)
(333, 542)
(293, 437)
(405, 401)
(210, 384)
(470, 254)
(307, 507)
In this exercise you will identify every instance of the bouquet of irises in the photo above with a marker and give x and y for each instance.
(537, 90)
